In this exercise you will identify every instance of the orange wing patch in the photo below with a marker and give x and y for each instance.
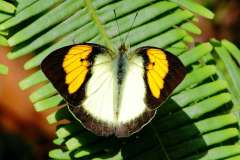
(76, 65)
(157, 70)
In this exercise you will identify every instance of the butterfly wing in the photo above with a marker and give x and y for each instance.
(83, 76)
(151, 76)
(69, 68)
(97, 112)
(163, 72)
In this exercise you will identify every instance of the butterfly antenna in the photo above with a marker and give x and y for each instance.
(115, 14)
(131, 27)
(74, 41)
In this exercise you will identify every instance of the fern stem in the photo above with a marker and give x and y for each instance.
(99, 25)
(160, 142)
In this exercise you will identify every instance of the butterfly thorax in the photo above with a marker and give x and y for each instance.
(121, 68)
(121, 63)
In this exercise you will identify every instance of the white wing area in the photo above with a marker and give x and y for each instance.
(108, 102)
(133, 91)
(100, 91)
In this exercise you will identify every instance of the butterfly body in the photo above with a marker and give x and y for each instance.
(113, 94)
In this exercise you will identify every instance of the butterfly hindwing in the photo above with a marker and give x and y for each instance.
(163, 72)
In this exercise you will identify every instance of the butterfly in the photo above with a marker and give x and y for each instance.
(113, 94)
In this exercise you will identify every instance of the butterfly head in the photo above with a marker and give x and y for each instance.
(122, 49)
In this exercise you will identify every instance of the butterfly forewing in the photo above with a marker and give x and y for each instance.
(163, 72)
(69, 69)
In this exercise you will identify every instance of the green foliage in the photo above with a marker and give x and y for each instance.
(6, 11)
(199, 121)
(3, 69)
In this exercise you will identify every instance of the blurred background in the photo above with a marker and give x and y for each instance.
(226, 23)
(27, 132)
